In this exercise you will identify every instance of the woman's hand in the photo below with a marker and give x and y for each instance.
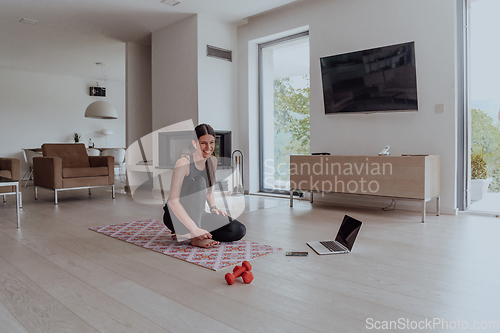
(200, 234)
(218, 212)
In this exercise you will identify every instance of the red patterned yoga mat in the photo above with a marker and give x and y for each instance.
(154, 235)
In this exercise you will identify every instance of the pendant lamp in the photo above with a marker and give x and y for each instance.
(101, 110)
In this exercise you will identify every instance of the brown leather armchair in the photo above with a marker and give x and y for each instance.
(66, 166)
(10, 168)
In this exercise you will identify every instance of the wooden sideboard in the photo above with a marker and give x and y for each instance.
(412, 177)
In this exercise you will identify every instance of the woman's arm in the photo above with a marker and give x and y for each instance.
(210, 193)
(181, 170)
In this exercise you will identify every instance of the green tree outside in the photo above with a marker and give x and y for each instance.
(291, 124)
(486, 140)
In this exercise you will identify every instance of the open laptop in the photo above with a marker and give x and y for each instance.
(344, 241)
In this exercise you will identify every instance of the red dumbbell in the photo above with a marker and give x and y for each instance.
(239, 270)
(247, 277)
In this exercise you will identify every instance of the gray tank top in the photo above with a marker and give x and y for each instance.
(193, 172)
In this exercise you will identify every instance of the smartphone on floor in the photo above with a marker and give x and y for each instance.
(297, 254)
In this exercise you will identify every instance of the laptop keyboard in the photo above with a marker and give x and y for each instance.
(332, 246)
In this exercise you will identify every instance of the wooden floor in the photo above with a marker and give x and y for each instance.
(58, 276)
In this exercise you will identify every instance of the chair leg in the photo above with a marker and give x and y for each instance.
(55, 197)
(20, 199)
(29, 170)
(123, 172)
(36, 192)
(117, 174)
(113, 191)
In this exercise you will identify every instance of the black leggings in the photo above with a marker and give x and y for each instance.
(193, 196)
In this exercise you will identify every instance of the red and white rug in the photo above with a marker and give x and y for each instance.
(154, 235)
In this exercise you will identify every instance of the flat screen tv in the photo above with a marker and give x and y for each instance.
(382, 79)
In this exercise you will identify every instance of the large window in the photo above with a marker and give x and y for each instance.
(484, 88)
(284, 108)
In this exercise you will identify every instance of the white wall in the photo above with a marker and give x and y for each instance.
(139, 93)
(189, 85)
(175, 73)
(343, 26)
(38, 108)
(217, 79)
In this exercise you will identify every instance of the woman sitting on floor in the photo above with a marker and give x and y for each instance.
(192, 183)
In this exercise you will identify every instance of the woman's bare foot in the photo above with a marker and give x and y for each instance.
(205, 243)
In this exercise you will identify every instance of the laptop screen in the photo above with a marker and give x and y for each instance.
(348, 231)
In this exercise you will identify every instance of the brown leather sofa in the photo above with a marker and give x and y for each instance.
(10, 168)
(66, 166)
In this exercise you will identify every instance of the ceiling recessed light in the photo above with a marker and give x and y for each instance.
(28, 21)
(170, 2)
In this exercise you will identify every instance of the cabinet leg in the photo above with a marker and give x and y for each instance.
(438, 206)
(291, 198)
(311, 196)
(423, 211)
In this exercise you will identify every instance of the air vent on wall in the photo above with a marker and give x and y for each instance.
(216, 52)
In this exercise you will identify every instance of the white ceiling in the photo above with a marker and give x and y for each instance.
(72, 35)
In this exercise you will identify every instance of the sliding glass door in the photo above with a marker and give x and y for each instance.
(284, 108)
(484, 88)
